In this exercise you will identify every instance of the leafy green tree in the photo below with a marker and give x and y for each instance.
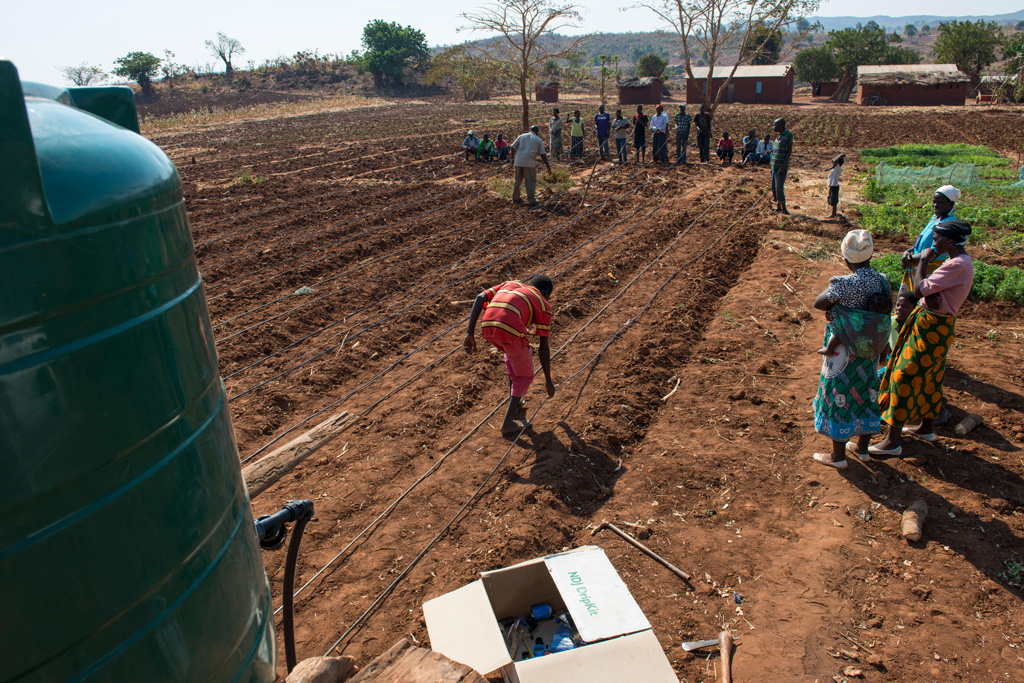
(853, 47)
(816, 65)
(223, 48)
(1019, 26)
(971, 45)
(170, 70)
(763, 47)
(651, 64)
(1013, 53)
(83, 74)
(551, 69)
(473, 74)
(910, 30)
(926, 29)
(802, 25)
(141, 67)
(390, 48)
(901, 55)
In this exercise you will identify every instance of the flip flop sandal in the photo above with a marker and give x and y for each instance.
(851, 447)
(917, 435)
(826, 459)
(875, 450)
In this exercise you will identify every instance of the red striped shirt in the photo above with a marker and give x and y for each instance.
(512, 308)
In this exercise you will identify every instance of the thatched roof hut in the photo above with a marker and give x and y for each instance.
(646, 90)
(910, 74)
(546, 91)
(911, 84)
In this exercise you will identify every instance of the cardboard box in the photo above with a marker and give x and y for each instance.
(463, 624)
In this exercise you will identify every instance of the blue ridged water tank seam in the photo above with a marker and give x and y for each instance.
(124, 645)
(116, 493)
(26, 505)
(88, 230)
(50, 354)
(258, 642)
(41, 317)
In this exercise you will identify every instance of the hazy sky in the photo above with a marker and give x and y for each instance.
(43, 35)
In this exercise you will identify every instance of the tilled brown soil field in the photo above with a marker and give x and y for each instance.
(340, 253)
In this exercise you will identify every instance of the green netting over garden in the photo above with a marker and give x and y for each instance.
(961, 175)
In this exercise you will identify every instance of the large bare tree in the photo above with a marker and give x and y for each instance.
(83, 74)
(518, 50)
(224, 47)
(712, 27)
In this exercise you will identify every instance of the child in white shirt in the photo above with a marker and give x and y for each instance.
(833, 183)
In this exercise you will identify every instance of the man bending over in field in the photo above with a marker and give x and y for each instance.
(509, 310)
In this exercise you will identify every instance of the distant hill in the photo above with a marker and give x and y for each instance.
(839, 23)
(630, 46)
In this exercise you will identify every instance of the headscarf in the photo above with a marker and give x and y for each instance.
(955, 229)
(950, 192)
(858, 246)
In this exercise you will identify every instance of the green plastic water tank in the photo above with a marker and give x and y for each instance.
(127, 548)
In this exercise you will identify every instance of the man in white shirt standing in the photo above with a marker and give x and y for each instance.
(659, 124)
(525, 151)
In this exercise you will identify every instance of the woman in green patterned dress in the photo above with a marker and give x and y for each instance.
(846, 405)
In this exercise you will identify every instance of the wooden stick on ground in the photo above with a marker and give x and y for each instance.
(266, 471)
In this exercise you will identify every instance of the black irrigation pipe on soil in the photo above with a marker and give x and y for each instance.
(353, 269)
(268, 209)
(615, 170)
(361, 266)
(407, 355)
(332, 163)
(349, 238)
(453, 157)
(472, 431)
(402, 310)
(444, 530)
(296, 216)
(498, 170)
(343, 240)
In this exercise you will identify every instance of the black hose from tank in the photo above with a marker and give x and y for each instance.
(271, 531)
(288, 614)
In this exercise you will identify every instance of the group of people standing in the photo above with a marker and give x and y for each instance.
(524, 152)
(854, 397)
(621, 129)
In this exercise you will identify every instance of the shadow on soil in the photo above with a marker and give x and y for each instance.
(984, 541)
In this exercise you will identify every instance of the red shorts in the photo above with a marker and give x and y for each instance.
(518, 362)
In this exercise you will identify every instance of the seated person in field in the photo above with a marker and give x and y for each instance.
(502, 147)
(725, 148)
(860, 333)
(750, 141)
(763, 154)
(486, 151)
(470, 144)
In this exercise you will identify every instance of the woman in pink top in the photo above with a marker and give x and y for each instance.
(912, 386)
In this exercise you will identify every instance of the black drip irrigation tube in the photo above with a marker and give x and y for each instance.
(271, 532)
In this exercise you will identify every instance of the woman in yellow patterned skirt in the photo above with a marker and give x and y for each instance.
(911, 388)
